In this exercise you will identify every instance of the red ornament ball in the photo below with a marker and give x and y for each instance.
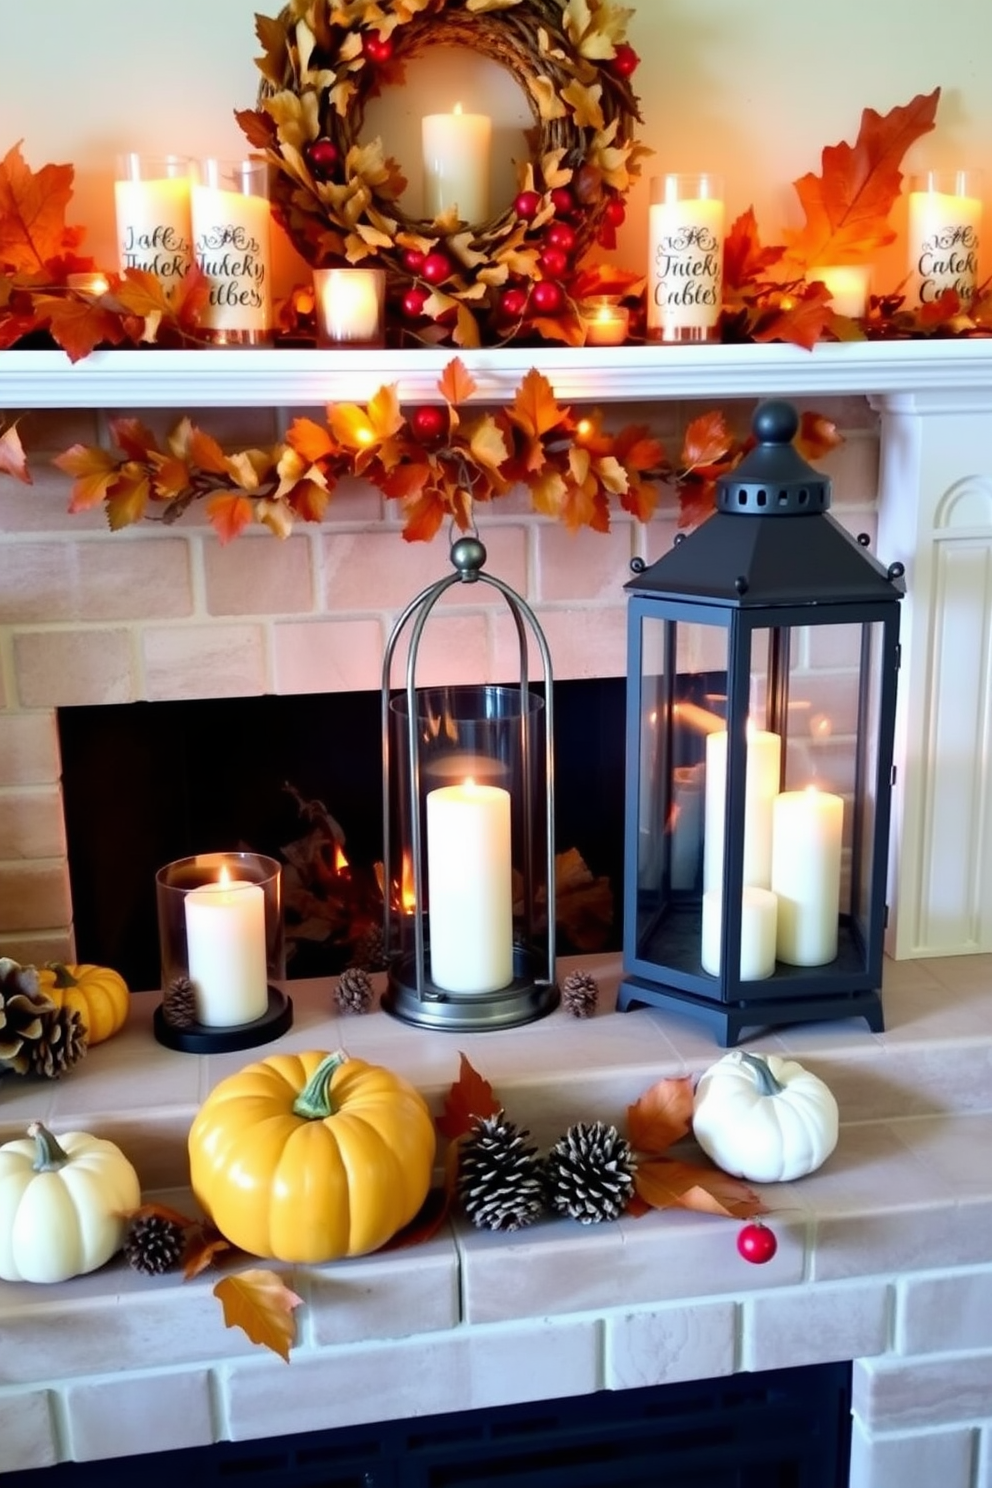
(322, 156)
(413, 260)
(414, 301)
(429, 423)
(436, 267)
(756, 1243)
(513, 303)
(563, 201)
(561, 236)
(527, 204)
(378, 49)
(547, 297)
(625, 60)
(554, 262)
(615, 212)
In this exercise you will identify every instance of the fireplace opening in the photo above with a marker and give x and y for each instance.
(146, 783)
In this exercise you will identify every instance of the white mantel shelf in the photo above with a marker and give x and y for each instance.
(284, 377)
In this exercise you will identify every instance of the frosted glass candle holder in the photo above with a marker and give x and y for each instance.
(230, 218)
(154, 228)
(350, 307)
(221, 928)
(606, 321)
(944, 226)
(685, 257)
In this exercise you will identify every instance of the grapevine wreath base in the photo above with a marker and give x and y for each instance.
(336, 197)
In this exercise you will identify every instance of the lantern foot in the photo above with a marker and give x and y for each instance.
(524, 1000)
(728, 1021)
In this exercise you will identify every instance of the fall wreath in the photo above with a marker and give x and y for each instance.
(337, 198)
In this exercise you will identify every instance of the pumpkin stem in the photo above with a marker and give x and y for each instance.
(49, 1156)
(314, 1100)
(764, 1079)
(63, 976)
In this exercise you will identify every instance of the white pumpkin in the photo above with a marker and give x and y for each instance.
(63, 1204)
(764, 1118)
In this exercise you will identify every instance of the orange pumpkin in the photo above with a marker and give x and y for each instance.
(99, 995)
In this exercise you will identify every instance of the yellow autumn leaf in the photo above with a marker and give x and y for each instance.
(486, 444)
(261, 1304)
(548, 493)
(553, 172)
(340, 97)
(612, 475)
(545, 94)
(247, 467)
(460, 245)
(587, 112)
(128, 497)
(466, 332)
(594, 27)
(275, 515)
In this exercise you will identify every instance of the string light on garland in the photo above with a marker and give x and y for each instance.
(338, 198)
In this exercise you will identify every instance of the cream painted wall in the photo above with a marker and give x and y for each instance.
(752, 88)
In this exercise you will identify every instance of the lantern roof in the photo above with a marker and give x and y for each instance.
(771, 540)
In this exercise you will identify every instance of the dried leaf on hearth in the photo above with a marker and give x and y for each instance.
(470, 1098)
(661, 1116)
(260, 1303)
(662, 1183)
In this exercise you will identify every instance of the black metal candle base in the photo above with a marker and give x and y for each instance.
(523, 1000)
(729, 1020)
(198, 1038)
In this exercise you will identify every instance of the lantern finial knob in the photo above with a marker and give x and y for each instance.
(468, 555)
(775, 422)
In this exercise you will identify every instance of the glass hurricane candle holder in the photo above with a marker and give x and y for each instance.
(945, 218)
(154, 228)
(230, 218)
(685, 257)
(221, 940)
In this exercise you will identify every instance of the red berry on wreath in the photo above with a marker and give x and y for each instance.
(322, 156)
(757, 1243)
(553, 262)
(436, 267)
(547, 297)
(615, 212)
(527, 204)
(414, 301)
(413, 260)
(378, 49)
(428, 423)
(563, 201)
(513, 303)
(561, 236)
(624, 61)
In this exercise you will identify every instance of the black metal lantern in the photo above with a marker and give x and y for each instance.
(761, 688)
(468, 831)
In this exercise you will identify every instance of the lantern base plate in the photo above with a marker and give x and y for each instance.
(523, 1000)
(729, 1020)
(198, 1038)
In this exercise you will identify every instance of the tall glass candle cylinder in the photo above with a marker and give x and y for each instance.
(349, 305)
(456, 164)
(230, 215)
(685, 257)
(945, 218)
(152, 202)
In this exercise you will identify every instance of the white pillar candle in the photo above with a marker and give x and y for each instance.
(231, 245)
(685, 258)
(225, 938)
(764, 756)
(848, 286)
(807, 828)
(687, 825)
(470, 887)
(943, 229)
(154, 230)
(349, 306)
(759, 912)
(456, 164)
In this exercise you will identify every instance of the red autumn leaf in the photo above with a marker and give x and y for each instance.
(939, 311)
(744, 259)
(12, 458)
(470, 1098)
(78, 326)
(32, 212)
(309, 500)
(229, 514)
(817, 436)
(133, 437)
(456, 384)
(697, 501)
(664, 1184)
(191, 298)
(260, 1303)
(637, 449)
(706, 442)
(847, 207)
(424, 516)
(426, 1222)
(661, 1116)
(801, 320)
(605, 279)
(405, 482)
(258, 128)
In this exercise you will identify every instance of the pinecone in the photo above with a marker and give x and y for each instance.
(500, 1177)
(590, 1173)
(22, 1013)
(369, 951)
(62, 1044)
(580, 994)
(179, 1003)
(154, 1244)
(353, 993)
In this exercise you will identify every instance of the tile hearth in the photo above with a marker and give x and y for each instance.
(885, 1254)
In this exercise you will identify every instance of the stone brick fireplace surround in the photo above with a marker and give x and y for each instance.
(156, 613)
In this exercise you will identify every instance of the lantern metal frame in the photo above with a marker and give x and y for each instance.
(746, 575)
(410, 994)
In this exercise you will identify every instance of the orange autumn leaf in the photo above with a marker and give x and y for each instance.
(32, 212)
(801, 321)
(816, 436)
(202, 1249)
(697, 501)
(203, 450)
(405, 482)
(662, 1183)
(847, 207)
(310, 440)
(78, 326)
(456, 384)
(13, 460)
(93, 469)
(707, 440)
(661, 1116)
(260, 1303)
(744, 259)
(229, 514)
(309, 500)
(534, 409)
(133, 437)
(423, 516)
(470, 1098)
(128, 497)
